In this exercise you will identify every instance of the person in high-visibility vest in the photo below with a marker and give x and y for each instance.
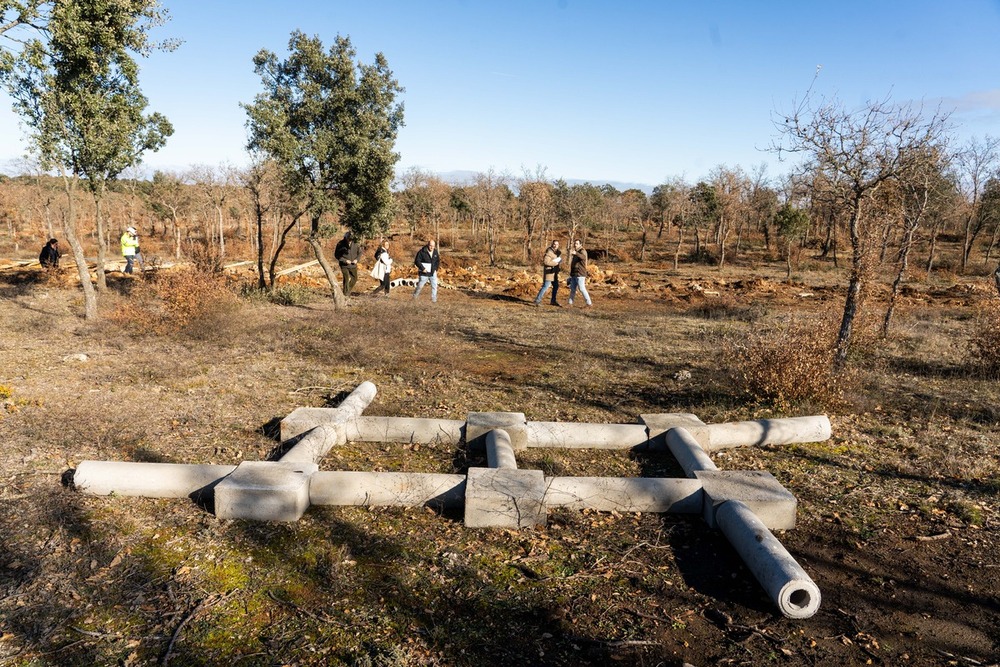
(130, 244)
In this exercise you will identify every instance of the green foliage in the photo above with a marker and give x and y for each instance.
(331, 124)
(791, 221)
(79, 91)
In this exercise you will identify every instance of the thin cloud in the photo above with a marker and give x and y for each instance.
(978, 101)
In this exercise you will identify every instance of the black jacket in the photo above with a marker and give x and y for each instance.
(347, 251)
(49, 256)
(425, 256)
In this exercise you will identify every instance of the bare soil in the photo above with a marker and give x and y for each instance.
(898, 514)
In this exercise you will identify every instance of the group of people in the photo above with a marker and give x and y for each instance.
(427, 261)
(577, 280)
(50, 254)
(348, 252)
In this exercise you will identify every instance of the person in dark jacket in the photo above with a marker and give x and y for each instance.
(49, 257)
(550, 273)
(347, 253)
(578, 273)
(427, 261)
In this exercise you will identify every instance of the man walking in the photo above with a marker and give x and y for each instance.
(427, 261)
(550, 273)
(347, 253)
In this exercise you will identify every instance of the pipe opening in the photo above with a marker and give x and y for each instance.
(799, 599)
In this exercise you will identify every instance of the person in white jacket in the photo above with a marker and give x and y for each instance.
(383, 266)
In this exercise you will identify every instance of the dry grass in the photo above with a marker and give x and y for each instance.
(87, 580)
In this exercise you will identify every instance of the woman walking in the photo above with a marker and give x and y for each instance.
(383, 266)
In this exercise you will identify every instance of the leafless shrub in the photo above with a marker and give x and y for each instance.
(984, 342)
(786, 365)
(175, 301)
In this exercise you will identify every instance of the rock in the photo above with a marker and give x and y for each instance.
(75, 357)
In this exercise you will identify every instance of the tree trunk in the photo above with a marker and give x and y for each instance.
(339, 300)
(69, 228)
(102, 281)
(904, 262)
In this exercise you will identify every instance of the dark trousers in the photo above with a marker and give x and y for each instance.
(385, 282)
(350, 273)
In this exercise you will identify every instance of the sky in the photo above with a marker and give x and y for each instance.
(627, 91)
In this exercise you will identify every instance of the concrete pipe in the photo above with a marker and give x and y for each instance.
(404, 429)
(688, 452)
(301, 420)
(387, 489)
(624, 494)
(499, 451)
(592, 436)
(150, 480)
(764, 432)
(787, 584)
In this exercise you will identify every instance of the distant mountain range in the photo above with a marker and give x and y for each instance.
(460, 177)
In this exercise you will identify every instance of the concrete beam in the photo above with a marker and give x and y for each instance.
(387, 489)
(404, 429)
(592, 436)
(687, 451)
(763, 432)
(784, 580)
(760, 491)
(659, 423)
(504, 498)
(312, 445)
(149, 480)
(624, 494)
(478, 424)
(265, 491)
(301, 420)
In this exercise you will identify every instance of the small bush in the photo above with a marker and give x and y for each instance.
(984, 343)
(783, 366)
(170, 302)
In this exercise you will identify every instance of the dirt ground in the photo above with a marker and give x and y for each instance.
(897, 521)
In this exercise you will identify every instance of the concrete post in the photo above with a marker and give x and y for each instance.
(499, 451)
(149, 480)
(787, 584)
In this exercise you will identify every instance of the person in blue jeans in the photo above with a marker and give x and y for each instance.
(427, 262)
(550, 273)
(578, 273)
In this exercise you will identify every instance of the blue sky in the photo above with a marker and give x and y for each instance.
(635, 91)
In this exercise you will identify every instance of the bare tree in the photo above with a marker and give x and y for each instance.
(858, 152)
(917, 194)
(536, 207)
(977, 162)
